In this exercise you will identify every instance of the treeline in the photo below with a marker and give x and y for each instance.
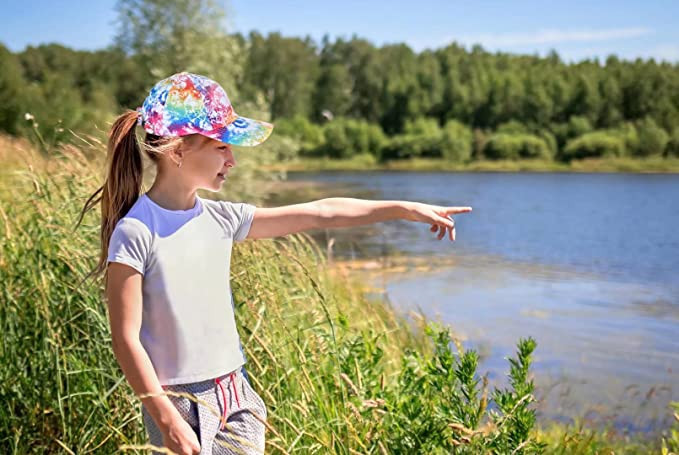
(456, 104)
(348, 97)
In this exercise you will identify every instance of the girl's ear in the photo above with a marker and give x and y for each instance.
(176, 154)
(190, 142)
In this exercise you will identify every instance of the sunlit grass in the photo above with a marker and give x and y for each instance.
(339, 372)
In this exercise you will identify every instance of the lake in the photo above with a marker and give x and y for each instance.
(587, 264)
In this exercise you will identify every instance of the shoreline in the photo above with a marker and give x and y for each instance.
(625, 409)
(610, 165)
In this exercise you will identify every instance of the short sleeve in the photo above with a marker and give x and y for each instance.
(130, 244)
(239, 216)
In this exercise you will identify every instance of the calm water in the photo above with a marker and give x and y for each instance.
(588, 264)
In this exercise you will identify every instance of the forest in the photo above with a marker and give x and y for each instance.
(346, 97)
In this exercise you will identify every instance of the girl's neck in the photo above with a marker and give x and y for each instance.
(172, 200)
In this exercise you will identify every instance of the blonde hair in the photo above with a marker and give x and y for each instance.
(124, 176)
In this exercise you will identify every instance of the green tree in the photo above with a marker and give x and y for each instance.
(333, 91)
(610, 113)
(427, 94)
(363, 65)
(399, 79)
(68, 90)
(169, 36)
(284, 70)
(12, 92)
(57, 107)
(585, 100)
(537, 105)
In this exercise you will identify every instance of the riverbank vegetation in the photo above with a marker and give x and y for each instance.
(367, 163)
(340, 372)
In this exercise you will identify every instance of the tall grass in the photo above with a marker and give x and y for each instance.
(340, 373)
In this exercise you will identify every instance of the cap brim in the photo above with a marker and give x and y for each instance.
(243, 131)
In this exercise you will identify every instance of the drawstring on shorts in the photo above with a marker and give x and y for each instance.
(226, 405)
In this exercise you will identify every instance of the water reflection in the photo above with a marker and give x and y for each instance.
(587, 264)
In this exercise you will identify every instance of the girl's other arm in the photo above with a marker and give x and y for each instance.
(124, 299)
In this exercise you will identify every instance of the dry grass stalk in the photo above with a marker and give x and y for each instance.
(351, 385)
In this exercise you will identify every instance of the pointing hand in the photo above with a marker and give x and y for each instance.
(438, 216)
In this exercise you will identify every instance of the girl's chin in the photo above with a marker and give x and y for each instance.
(215, 184)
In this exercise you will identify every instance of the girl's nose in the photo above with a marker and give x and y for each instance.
(230, 159)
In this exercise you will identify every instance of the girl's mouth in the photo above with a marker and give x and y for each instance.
(221, 176)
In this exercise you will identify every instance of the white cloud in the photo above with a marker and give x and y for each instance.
(550, 36)
(543, 40)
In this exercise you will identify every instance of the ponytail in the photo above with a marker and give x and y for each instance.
(124, 177)
(123, 182)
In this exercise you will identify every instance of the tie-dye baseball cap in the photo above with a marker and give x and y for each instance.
(187, 103)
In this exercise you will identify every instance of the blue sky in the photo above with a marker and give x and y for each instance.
(576, 29)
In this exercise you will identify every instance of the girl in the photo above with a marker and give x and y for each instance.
(166, 254)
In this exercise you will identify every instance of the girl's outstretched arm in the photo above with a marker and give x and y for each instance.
(338, 212)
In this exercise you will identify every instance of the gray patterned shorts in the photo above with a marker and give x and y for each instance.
(243, 432)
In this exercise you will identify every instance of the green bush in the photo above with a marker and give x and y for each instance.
(438, 406)
(516, 146)
(479, 140)
(629, 135)
(422, 126)
(594, 145)
(346, 137)
(575, 127)
(512, 127)
(423, 138)
(405, 146)
(456, 141)
(652, 139)
(420, 138)
(670, 443)
(672, 148)
(550, 140)
(308, 134)
(579, 125)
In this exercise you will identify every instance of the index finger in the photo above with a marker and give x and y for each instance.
(458, 209)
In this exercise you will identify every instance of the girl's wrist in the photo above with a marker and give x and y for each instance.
(406, 209)
(163, 412)
(169, 421)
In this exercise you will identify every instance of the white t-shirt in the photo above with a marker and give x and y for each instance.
(188, 326)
